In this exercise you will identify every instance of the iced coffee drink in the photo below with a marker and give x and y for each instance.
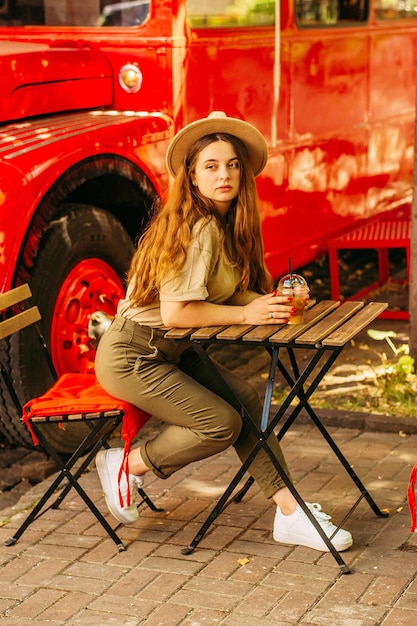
(295, 287)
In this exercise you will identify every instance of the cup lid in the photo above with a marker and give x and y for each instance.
(292, 280)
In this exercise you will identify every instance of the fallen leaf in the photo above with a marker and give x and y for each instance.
(243, 561)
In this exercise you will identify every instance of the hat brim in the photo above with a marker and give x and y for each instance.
(249, 135)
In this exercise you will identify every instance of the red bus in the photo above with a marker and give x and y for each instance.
(93, 90)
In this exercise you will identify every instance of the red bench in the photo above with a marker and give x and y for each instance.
(381, 235)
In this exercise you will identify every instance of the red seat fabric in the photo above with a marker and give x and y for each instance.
(82, 393)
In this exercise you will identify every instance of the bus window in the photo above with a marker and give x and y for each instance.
(73, 12)
(132, 13)
(395, 9)
(330, 12)
(217, 13)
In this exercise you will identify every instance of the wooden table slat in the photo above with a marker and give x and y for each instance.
(178, 333)
(350, 329)
(207, 332)
(327, 323)
(290, 331)
(330, 323)
(231, 333)
(261, 333)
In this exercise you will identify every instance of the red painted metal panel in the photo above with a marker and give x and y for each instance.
(38, 79)
(345, 119)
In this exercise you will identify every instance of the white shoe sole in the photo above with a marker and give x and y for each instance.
(311, 542)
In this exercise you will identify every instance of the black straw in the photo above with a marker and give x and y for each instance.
(289, 263)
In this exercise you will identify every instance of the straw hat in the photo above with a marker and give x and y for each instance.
(218, 122)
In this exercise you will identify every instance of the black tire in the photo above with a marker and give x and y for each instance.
(79, 233)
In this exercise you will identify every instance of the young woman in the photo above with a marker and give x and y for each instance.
(199, 263)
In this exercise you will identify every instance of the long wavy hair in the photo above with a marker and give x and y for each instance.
(163, 246)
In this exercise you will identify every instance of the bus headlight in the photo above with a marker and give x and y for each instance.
(130, 78)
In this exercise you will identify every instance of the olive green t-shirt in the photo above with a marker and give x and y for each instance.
(206, 275)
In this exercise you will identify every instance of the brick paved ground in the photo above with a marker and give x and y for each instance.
(65, 570)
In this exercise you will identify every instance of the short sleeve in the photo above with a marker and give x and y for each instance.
(190, 283)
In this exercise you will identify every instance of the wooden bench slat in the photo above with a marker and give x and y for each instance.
(381, 235)
(350, 329)
(14, 296)
(330, 323)
(75, 417)
(19, 321)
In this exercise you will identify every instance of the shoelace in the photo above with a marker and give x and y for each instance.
(133, 482)
(322, 518)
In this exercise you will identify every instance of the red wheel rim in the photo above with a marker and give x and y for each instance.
(92, 285)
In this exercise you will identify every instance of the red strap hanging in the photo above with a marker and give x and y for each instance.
(411, 496)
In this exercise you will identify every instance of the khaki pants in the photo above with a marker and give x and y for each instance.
(166, 378)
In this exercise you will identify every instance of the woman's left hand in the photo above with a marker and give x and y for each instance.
(269, 309)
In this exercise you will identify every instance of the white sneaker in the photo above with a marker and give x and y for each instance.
(296, 529)
(108, 463)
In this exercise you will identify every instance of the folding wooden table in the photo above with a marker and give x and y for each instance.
(327, 329)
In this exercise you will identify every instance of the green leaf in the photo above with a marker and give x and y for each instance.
(380, 335)
(406, 364)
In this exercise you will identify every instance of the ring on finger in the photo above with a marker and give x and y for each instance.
(271, 315)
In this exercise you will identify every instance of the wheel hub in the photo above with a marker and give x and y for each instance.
(90, 291)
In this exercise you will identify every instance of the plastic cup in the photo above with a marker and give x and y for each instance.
(295, 287)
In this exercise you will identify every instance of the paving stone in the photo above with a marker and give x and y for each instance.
(36, 603)
(400, 617)
(347, 615)
(171, 613)
(66, 607)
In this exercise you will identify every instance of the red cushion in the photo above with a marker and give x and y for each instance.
(82, 393)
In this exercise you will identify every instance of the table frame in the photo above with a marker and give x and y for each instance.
(326, 331)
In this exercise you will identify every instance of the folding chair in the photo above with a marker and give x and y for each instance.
(73, 398)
